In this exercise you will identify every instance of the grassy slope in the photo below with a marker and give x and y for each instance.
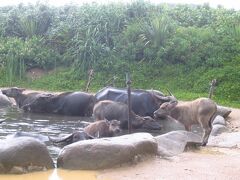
(64, 80)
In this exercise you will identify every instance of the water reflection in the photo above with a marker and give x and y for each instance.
(44, 124)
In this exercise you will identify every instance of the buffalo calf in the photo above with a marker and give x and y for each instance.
(200, 111)
(103, 128)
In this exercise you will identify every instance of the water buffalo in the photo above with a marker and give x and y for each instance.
(69, 139)
(103, 128)
(144, 102)
(200, 111)
(68, 103)
(110, 110)
(20, 98)
(98, 129)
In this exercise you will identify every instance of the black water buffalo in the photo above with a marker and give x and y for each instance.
(68, 103)
(69, 139)
(111, 110)
(144, 102)
(20, 98)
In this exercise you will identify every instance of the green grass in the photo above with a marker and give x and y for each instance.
(64, 80)
(190, 96)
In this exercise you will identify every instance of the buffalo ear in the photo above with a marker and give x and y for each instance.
(44, 97)
(147, 118)
(18, 89)
(171, 105)
(107, 121)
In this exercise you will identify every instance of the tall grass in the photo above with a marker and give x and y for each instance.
(15, 67)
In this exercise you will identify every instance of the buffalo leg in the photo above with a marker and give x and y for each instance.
(188, 128)
(206, 133)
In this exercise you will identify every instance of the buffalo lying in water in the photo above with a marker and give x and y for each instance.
(98, 129)
(20, 98)
(116, 110)
(144, 102)
(68, 103)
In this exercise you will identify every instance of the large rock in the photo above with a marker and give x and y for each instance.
(218, 129)
(219, 120)
(23, 154)
(4, 100)
(39, 137)
(174, 142)
(106, 152)
(226, 140)
(223, 111)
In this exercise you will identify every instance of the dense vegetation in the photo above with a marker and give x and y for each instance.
(180, 47)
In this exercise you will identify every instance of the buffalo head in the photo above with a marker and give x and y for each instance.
(165, 109)
(13, 92)
(114, 126)
(146, 122)
(151, 124)
(39, 104)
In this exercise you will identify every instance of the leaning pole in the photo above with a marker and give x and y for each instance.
(128, 83)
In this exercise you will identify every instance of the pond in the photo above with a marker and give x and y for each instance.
(44, 124)
(53, 126)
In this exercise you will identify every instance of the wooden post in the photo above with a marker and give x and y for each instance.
(90, 77)
(212, 86)
(128, 83)
(114, 79)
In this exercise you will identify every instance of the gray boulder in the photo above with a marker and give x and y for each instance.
(106, 152)
(175, 142)
(218, 129)
(22, 155)
(4, 101)
(219, 120)
(225, 140)
(223, 111)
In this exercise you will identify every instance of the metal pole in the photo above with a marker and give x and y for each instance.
(128, 83)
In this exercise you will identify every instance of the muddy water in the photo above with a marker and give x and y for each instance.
(47, 125)
(56, 174)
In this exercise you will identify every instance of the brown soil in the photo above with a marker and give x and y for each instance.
(206, 163)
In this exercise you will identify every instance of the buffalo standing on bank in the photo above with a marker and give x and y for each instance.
(200, 111)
